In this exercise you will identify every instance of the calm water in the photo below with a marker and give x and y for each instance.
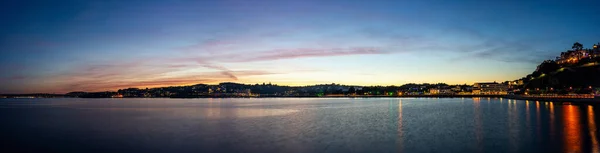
(297, 125)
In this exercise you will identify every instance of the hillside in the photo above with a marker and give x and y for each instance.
(567, 77)
(575, 71)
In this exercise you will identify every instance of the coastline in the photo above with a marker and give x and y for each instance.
(345, 96)
(595, 100)
(515, 97)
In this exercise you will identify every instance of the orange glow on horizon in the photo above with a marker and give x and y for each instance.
(115, 87)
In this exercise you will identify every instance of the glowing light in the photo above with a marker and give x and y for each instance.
(593, 128)
(572, 129)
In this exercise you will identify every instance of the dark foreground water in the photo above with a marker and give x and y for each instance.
(296, 125)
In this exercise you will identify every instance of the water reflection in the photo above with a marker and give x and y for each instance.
(209, 112)
(593, 129)
(572, 129)
(247, 112)
(538, 120)
(215, 111)
(312, 125)
(478, 125)
(399, 130)
(527, 116)
(513, 122)
(552, 124)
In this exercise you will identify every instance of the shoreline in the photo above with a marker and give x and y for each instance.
(275, 96)
(515, 97)
(561, 100)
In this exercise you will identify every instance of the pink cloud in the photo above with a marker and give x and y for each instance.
(116, 76)
(105, 84)
(229, 74)
(215, 67)
(112, 76)
(208, 45)
(304, 53)
(224, 70)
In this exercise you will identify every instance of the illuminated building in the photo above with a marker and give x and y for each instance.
(117, 96)
(573, 56)
(436, 91)
(490, 88)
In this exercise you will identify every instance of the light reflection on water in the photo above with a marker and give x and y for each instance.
(572, 127)
(478, 125)
(592, 129)
(552, 125)
(400, 131)
(299, 125)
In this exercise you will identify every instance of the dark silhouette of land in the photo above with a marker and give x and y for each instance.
(575, 74)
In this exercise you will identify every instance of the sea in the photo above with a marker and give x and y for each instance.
(302, 125)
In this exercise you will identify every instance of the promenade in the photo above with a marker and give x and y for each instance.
(587, 98)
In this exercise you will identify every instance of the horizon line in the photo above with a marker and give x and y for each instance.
(245, 84)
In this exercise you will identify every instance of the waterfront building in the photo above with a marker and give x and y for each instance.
(440, 91)
(490, 88)
(456, 89)
(515, 84)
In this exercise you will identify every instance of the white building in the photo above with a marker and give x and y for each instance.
(436, 91)
(490, 88)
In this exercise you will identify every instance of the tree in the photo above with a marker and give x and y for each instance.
(577, 46)
(352, 90)
(547, 66)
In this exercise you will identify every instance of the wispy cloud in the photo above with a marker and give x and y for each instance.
(209, 46)
(279, 54)
(491, 47)
(106, 85)
(101, 77)
(14, 77)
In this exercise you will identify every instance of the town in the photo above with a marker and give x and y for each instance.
(572, 74)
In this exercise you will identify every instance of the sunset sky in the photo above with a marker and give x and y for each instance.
(60, 46)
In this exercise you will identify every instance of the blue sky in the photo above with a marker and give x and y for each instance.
(60, 46)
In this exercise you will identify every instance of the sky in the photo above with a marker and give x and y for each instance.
(58, 46)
